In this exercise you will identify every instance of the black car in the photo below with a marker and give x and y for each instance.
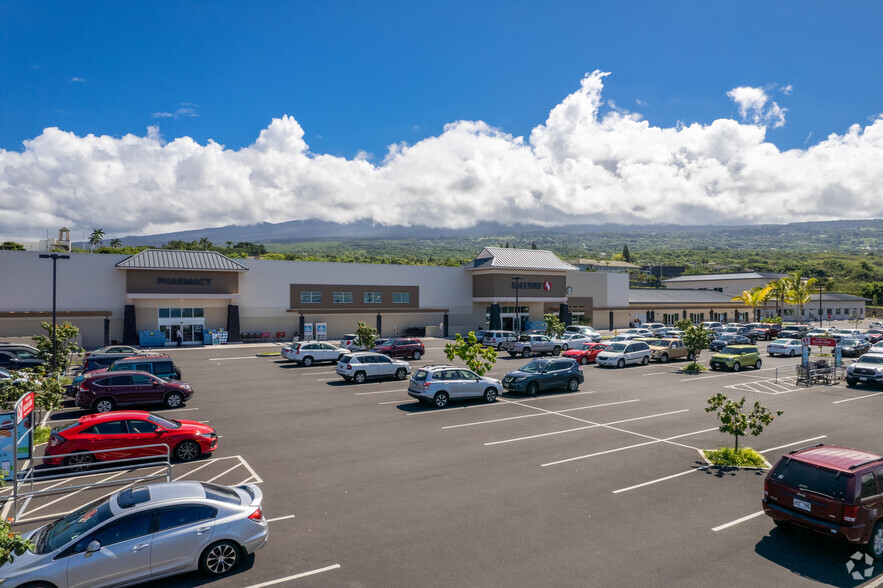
(727, 339)
(15, 357)
(544, 374)
(853, 347)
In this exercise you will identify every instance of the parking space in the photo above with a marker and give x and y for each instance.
(603, 486)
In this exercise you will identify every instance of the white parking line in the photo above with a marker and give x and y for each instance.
(857, 398)
(329, 379)
(398, 402)
(739, 373)
(295, 577)
(227, 471)
(524, 416)
(660, 480)
(380, 392)
(667, 439)
(232, 358)
(656, 374)
(737, 521)
(792, 444)
(500, 400)
(584, 428)
(194, 470)
(280, 518)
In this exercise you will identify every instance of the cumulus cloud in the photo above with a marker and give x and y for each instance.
(756, 107)
(586, 163)
(187, 110)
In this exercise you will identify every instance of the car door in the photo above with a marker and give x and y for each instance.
(326, 352)
(145, 389)
(140, 433)
(453, 380)
(182, 533)
(629, 353)
(109, 438)
(117, 387)
(382, 366)
(124, 555)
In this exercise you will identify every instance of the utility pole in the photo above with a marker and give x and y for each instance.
(54, 257)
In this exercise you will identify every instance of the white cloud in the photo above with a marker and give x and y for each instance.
(78, 80)
(187, 110)
(582, 165)
(756, 107)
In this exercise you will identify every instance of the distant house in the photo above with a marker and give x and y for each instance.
(732, 283)
(604, 265)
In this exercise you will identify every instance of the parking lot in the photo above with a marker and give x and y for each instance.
(364, 486)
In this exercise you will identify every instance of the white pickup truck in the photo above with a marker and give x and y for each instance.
(528, 345)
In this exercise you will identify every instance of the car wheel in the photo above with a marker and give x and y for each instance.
(790, 354)
(359, 377)
(620, 363)
(663, 358)
(565, 347)
(556, 351)
(401, 374)
(348, 378)
(691, 356)
(499, 346)
(79, 462)
(573, 384)
(736, 367)
(757, 364)
(511, 354)
(417, 355)
(490, 394)
(440, 399)
(308, 361)
(851, 381)
(220, 558)
(104, 405)
(875, 545)
(187, 450)
(525, 352)
(532, 389)
(583, 360)
(173, 400)
(645, 360)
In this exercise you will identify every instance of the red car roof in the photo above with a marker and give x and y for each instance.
(834, 457)
(113, 415)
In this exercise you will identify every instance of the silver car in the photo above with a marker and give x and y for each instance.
(310, 352)
(440, 383)
(365, 365)
(144, 533)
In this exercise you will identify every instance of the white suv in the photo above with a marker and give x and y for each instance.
(592, 333)
(623, 352)
(437, 384)
(309, 352)
(496, 338)
(363, 365)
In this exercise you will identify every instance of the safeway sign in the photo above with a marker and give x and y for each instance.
(820, 341)
(24, 406)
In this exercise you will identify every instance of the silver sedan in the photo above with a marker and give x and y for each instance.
(144, 533)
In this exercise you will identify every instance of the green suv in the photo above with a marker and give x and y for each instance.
(735, 357)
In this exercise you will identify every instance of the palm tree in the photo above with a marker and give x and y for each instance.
(116, 243)
(95, 238)
(205, 244)
(778, 289)
(798, 290)
(753, 298)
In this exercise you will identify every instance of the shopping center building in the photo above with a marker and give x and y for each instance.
(116, 297)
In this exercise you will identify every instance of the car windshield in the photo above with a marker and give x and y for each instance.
(586, 346)
(782, 342)
(849, 342)
(871, 359)
(533, 367)
(165, 424)
(70, 527)
(801, 475)
(616, 348)
(656, 342)
(731, 351)
(421, 375)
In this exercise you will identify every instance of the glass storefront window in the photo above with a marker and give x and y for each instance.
(187, 312)
(175, 312)
(198, 313)
(164, 313)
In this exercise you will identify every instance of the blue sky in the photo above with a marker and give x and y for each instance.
(360, 76)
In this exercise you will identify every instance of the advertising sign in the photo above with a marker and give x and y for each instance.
(838, 357)
(805, 358)
(24, 406)
(321, 331)
(7, 422)
(820, 341)
(308, 332)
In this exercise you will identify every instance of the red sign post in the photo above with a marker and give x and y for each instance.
(24, 406)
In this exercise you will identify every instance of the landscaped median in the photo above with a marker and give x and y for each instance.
(738, 423)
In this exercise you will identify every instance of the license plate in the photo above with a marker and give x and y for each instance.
(863, 379)
(802, 505)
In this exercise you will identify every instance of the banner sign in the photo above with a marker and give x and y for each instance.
(321, 331)
(820, 341)
(308, 332)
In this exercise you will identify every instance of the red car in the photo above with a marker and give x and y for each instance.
(585, 352)
(402, 348)
(117, 430)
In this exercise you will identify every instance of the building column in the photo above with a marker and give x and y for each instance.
(445, 325)
(301, 323)
(106, 331)
(495, 322)
(610, 328)
(130, 330)
(233, 332)
(379, 325)
(564, 313)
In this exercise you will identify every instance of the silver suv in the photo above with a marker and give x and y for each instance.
(497, 338)
(437, 384)
(363, 365)
(868, 369)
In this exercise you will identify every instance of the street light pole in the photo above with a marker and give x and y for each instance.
(54, 257)
(820, 304)
(517, 281)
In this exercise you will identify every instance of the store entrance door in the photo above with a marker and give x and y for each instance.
(191, 331)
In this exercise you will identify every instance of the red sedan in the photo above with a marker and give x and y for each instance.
(117, 430)
(585, 352)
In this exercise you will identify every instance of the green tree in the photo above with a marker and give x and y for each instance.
(12, 246)
(554, 326)
(365, 336)
(872, 290)
(116, 243)
(736, 422)
(753, 298)
(205, 245)
(48, 393)
(777, 289)
(11, 543)
(533, 245)
(478, 358)
(695, 338)
(65, 345)
(798, 291)
(626, 256)
(95, 238)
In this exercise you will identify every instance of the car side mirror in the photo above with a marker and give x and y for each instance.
(93, 547)
(155, 382)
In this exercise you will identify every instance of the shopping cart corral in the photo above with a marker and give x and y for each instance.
(819, 372)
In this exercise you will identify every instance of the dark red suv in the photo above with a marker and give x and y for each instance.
(103, 392)
(402, 348)
(831, 490)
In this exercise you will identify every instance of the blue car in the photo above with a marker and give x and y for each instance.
(545, 374)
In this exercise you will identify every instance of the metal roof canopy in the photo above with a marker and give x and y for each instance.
(173, 259)
(519, 259)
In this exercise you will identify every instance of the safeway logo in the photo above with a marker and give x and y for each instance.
(547, 286)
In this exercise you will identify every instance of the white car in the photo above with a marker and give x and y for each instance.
(657, 328)
(569, 340)
(713, 326)
(789, 347)
(875, 325)
(365, 365)
(876, 347)
(349, 343)
(852, 334)
(632, 333)
(585, 330)
(624, 352)
(309, 352)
